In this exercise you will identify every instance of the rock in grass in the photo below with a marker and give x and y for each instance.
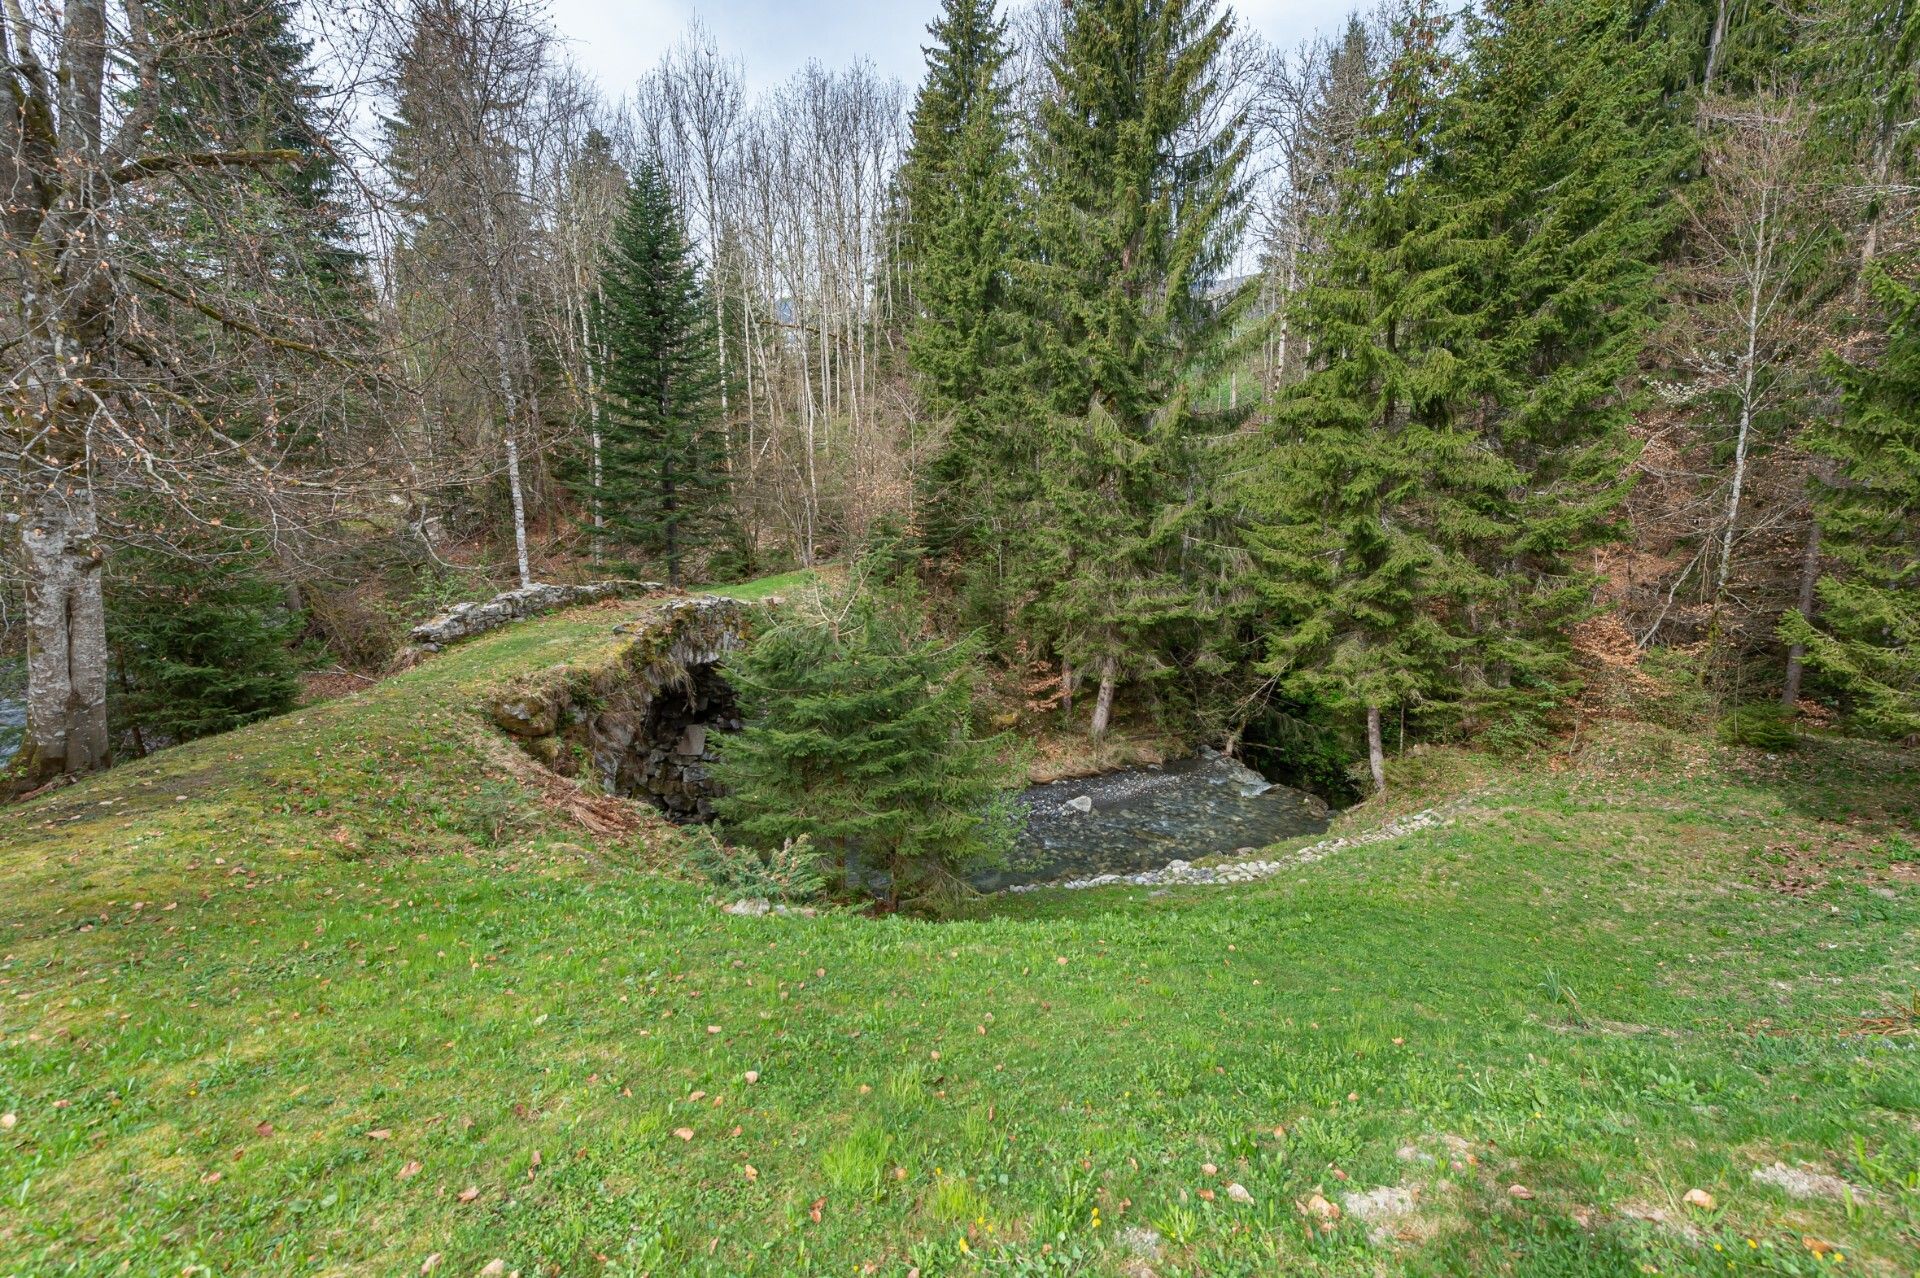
(1798, 1182)
(1142, 1242)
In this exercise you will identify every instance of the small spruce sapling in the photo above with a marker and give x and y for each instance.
(860, 738)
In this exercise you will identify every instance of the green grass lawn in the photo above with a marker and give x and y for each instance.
(341, 993)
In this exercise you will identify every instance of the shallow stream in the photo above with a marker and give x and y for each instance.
(1144, 818)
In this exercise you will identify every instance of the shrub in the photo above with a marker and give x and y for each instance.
(790, 872)
(202, 647)
(1759, 726)
(859, 737)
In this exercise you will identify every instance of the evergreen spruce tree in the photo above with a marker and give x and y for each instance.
(1372, 491)
(1867, 633)
(961, 235)
(1475, 318)
(663, 481)
(1135, 221)
(1554, 178)
(859, 737)
(239, 79)
(202, 643)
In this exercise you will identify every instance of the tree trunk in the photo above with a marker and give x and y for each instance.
(1748, 378)
(519, 508)
(1103, 703)
(1066, 686)
(67, 640)
(1870, 242)
(1809, 578)
(1376, 751)
(673, 538)
(1714, 38)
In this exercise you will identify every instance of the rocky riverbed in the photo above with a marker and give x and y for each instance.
(1142, 820)
(1252, 868)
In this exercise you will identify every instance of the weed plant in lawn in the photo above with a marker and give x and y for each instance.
(339, 994)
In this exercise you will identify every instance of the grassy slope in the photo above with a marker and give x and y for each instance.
(272, 1003)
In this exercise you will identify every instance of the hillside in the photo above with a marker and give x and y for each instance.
(350, 992)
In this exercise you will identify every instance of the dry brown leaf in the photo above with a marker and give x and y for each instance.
(264, 1129)
(430, 1264)
(1238, 1193)
(380, 1133)
(684, 1133)
(819, 1204)
(1519, 1191)
(753, 1173)
(1699, 1198)
(470, 1193)
(411, 1170)
(1319, 1206)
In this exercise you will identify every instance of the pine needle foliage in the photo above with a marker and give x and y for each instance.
(963, 233)
(1372, 492)
(860, 737)
(1139, 200)
(663, 485)
(201, 645)
(1867, 633)
(1486, 285)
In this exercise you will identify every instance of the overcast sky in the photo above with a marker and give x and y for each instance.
(617, 39)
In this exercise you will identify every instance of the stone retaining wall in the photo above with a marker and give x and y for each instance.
(646, 725)
(464, 621)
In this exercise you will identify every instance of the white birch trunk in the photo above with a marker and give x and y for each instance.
(66, 638)
(1749, 373)
(1376, 751)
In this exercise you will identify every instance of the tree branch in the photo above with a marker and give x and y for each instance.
(150, 165)
(212, 312)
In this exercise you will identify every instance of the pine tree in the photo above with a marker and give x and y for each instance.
(1554, 175)
(859, 737)
(202, 643)
(1867, 634)
(1135, 221)
(239, 79)
(960, 242)
(663, 481)
(1372, 491)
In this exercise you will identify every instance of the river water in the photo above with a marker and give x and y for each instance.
(1143, 818)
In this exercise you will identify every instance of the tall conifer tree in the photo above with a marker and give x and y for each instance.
(961, 237)
(663, 478)
(1554, 176)
(1135, 223)
(1867, 636)
(1476, 318)
(1371, 490)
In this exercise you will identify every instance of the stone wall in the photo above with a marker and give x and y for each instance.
(646, 725)
(464, 621)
